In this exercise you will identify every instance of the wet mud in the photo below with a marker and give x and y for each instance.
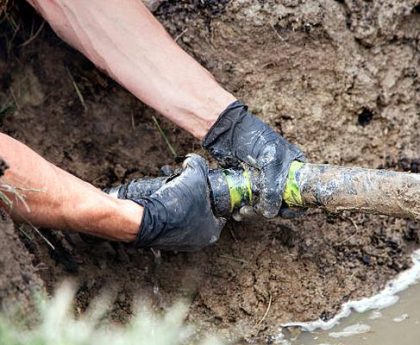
(338, 78)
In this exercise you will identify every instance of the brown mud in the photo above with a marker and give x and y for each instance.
(338, 78)
(19, 278)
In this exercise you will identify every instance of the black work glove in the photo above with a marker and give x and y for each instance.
(238, 136)
(179, 216)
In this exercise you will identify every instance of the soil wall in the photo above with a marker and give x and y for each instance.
(338, 78)
(19, 280)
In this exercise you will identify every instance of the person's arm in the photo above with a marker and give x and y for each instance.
(53, 198)
(123, 38)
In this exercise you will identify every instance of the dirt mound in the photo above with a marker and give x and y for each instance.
(339, 78)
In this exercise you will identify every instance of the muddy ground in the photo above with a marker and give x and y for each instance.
(338, 78)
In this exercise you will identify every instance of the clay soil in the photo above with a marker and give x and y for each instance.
(338, 78)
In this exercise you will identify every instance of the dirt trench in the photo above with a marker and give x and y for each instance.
(338, 78)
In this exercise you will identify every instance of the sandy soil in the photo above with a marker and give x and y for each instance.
(339, 78)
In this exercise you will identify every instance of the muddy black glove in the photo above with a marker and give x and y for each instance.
(238, 136)
(179, 216)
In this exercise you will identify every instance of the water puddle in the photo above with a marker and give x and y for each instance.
(378, 320)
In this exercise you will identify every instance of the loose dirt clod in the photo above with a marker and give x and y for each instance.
(339, 79)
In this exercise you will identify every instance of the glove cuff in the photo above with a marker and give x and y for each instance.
(221, 139)
(223, 123)
(153, 222)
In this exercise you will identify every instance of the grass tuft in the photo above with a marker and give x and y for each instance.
(164, 137)
(5, 200)
(59, 326)
(77, 89)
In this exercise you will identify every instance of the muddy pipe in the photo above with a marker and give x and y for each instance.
(337, 188)
(333, 188)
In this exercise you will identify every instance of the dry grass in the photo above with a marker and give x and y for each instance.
(59, 326)
(164, 137)
(6, 190)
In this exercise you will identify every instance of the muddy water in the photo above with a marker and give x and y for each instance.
(395, 321)
(398, 324)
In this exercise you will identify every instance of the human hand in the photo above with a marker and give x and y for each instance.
(238, 136)
(178, 216)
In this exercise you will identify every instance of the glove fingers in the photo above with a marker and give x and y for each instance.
(194, 167)
(167, 171)
(273, 177)
(195, 161)
(296, 153)
(273, 180)
(220, 223)
(245, 212)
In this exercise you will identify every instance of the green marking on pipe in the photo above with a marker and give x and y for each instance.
(291, 194)
(240, 190)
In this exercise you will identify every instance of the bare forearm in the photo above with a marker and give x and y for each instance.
(124, 39)
(45, 195)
